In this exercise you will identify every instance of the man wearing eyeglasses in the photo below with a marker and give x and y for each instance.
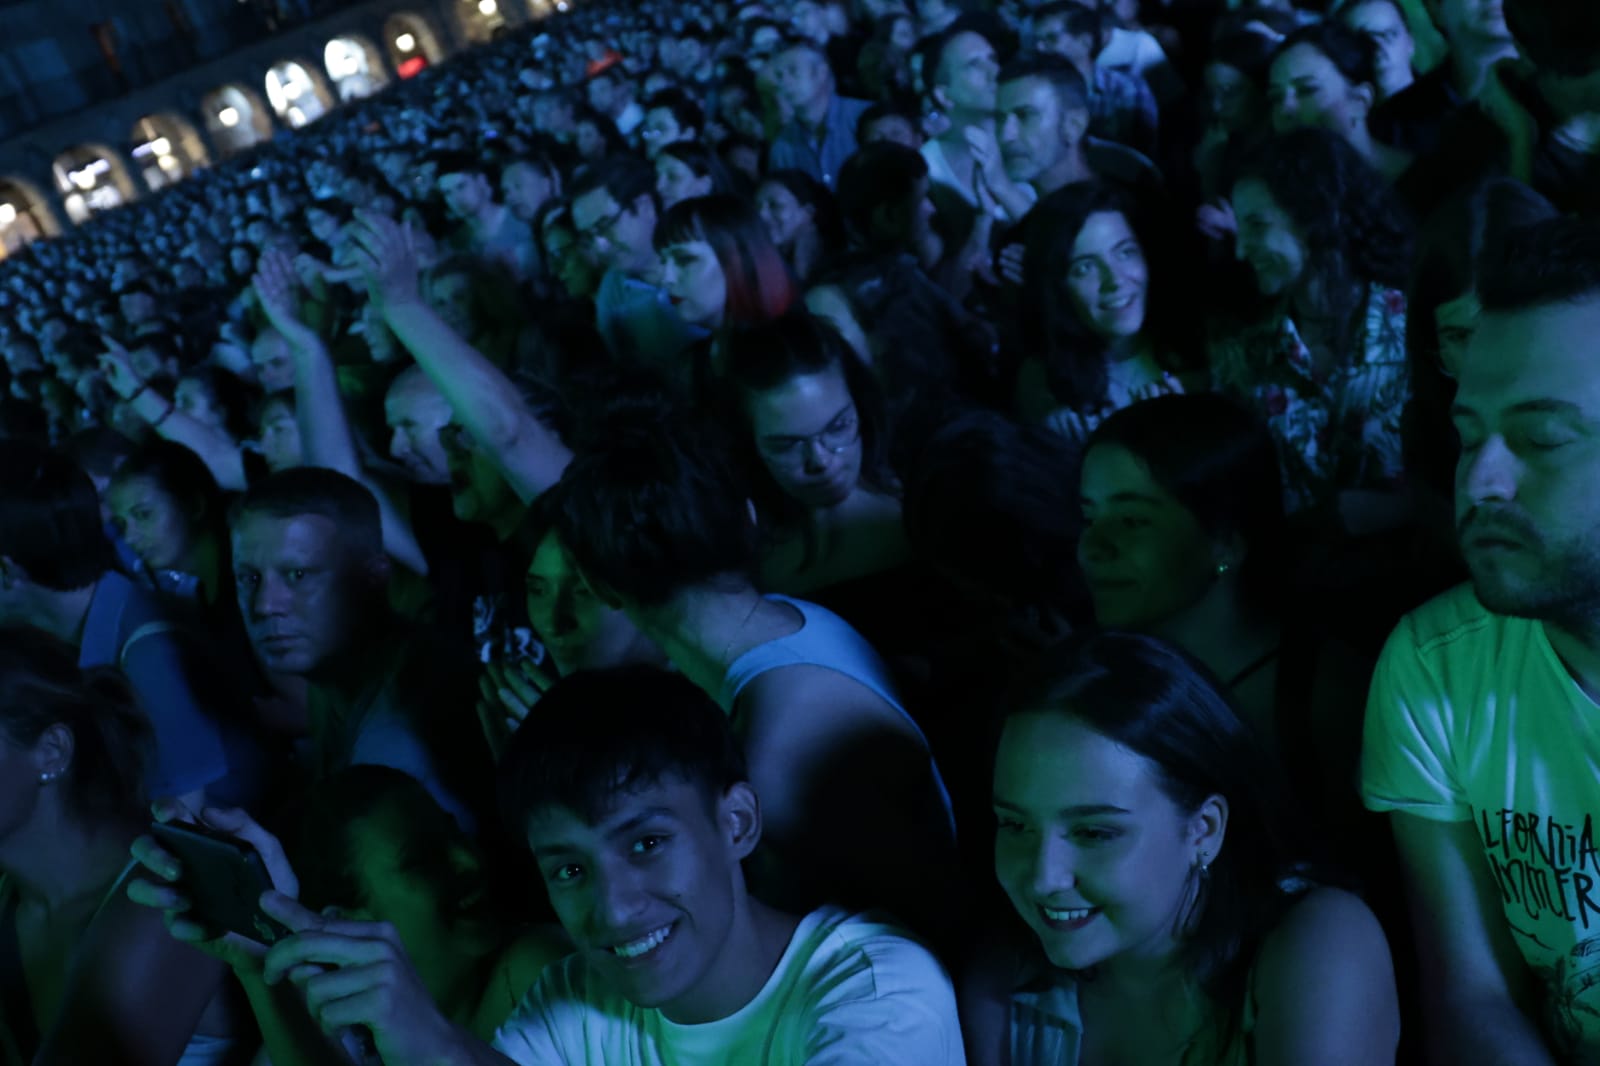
(614, 211)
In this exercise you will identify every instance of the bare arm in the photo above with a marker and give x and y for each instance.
(215, 448)
(319, 410)
(1476, 986)
(985, 1002)
(485, 401)
(138, 997)
(847, 796)
(1324, 986)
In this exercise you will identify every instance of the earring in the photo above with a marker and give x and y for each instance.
(48, 776)
(1202, 864)
(1224, 569)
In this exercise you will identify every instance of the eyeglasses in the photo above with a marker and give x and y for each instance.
(793, 451)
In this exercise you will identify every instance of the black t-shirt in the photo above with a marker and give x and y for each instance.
(1414, 119)
(1472, 148)
(477, 582)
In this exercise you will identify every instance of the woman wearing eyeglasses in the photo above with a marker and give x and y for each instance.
(827, 500)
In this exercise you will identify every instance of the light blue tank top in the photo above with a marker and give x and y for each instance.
(824, 639)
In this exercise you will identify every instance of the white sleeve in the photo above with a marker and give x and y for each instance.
(902, 1012)
(1407, 751)
(540, 1031)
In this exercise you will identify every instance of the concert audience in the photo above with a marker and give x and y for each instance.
(491, 423)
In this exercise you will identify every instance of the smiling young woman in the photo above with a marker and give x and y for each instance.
(1143, 843)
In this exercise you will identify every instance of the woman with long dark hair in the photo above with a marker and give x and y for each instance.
(168, 509)
(1100, 331)
(812, 414)
(1325, 365)
(1144, 843)
(801, 218)
(689, 169)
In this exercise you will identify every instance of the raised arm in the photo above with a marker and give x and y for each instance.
(1477, 991)
(319, 410)
(486, 402)
(215, 448)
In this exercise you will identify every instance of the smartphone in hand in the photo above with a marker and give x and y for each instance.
(223, 878)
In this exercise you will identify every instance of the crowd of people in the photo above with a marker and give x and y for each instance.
(835, 532)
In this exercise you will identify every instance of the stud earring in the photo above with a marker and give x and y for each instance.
(1224, 569)
(48, 776)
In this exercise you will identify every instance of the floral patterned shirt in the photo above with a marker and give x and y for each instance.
(1337, 428)
(1137, 379)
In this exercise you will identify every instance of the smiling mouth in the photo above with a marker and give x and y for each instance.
(634, 950)
(1119, 304)
(1068, 920)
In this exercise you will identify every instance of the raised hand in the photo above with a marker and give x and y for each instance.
(274, 286)
(1216, 220)
(358, 974)
(386, 254)
(118, 369)
(986, 157)
(163, 871)
(1011, 259)
(508, 695)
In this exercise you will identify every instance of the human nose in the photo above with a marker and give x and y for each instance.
(669, 274)
(398, 445)
(1095, 546)
(617, 897)
(269, 598)
(1490, 473)
(1008, 129)
(1053, 865)
(564, 617)
(816, 456)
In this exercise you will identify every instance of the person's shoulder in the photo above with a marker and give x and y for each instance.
(869, 949)
(1327, 930)
(1452, 619)
(851, 107)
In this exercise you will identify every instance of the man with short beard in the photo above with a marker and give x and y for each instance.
(1482, 728)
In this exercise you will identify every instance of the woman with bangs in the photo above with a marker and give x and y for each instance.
(721, 272)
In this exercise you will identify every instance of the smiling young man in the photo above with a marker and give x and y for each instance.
(632, 793)
(1482, 727)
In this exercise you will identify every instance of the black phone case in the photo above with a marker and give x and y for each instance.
(223, 879)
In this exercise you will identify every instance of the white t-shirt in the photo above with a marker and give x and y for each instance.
(1473, 717)
(850, 989)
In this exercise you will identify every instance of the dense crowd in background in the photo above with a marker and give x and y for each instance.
(834, 532)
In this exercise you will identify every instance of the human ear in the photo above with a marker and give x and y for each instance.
(1208, 826)
(52, 753)
(739, 815)
(1362, 96)
(1074, 126)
